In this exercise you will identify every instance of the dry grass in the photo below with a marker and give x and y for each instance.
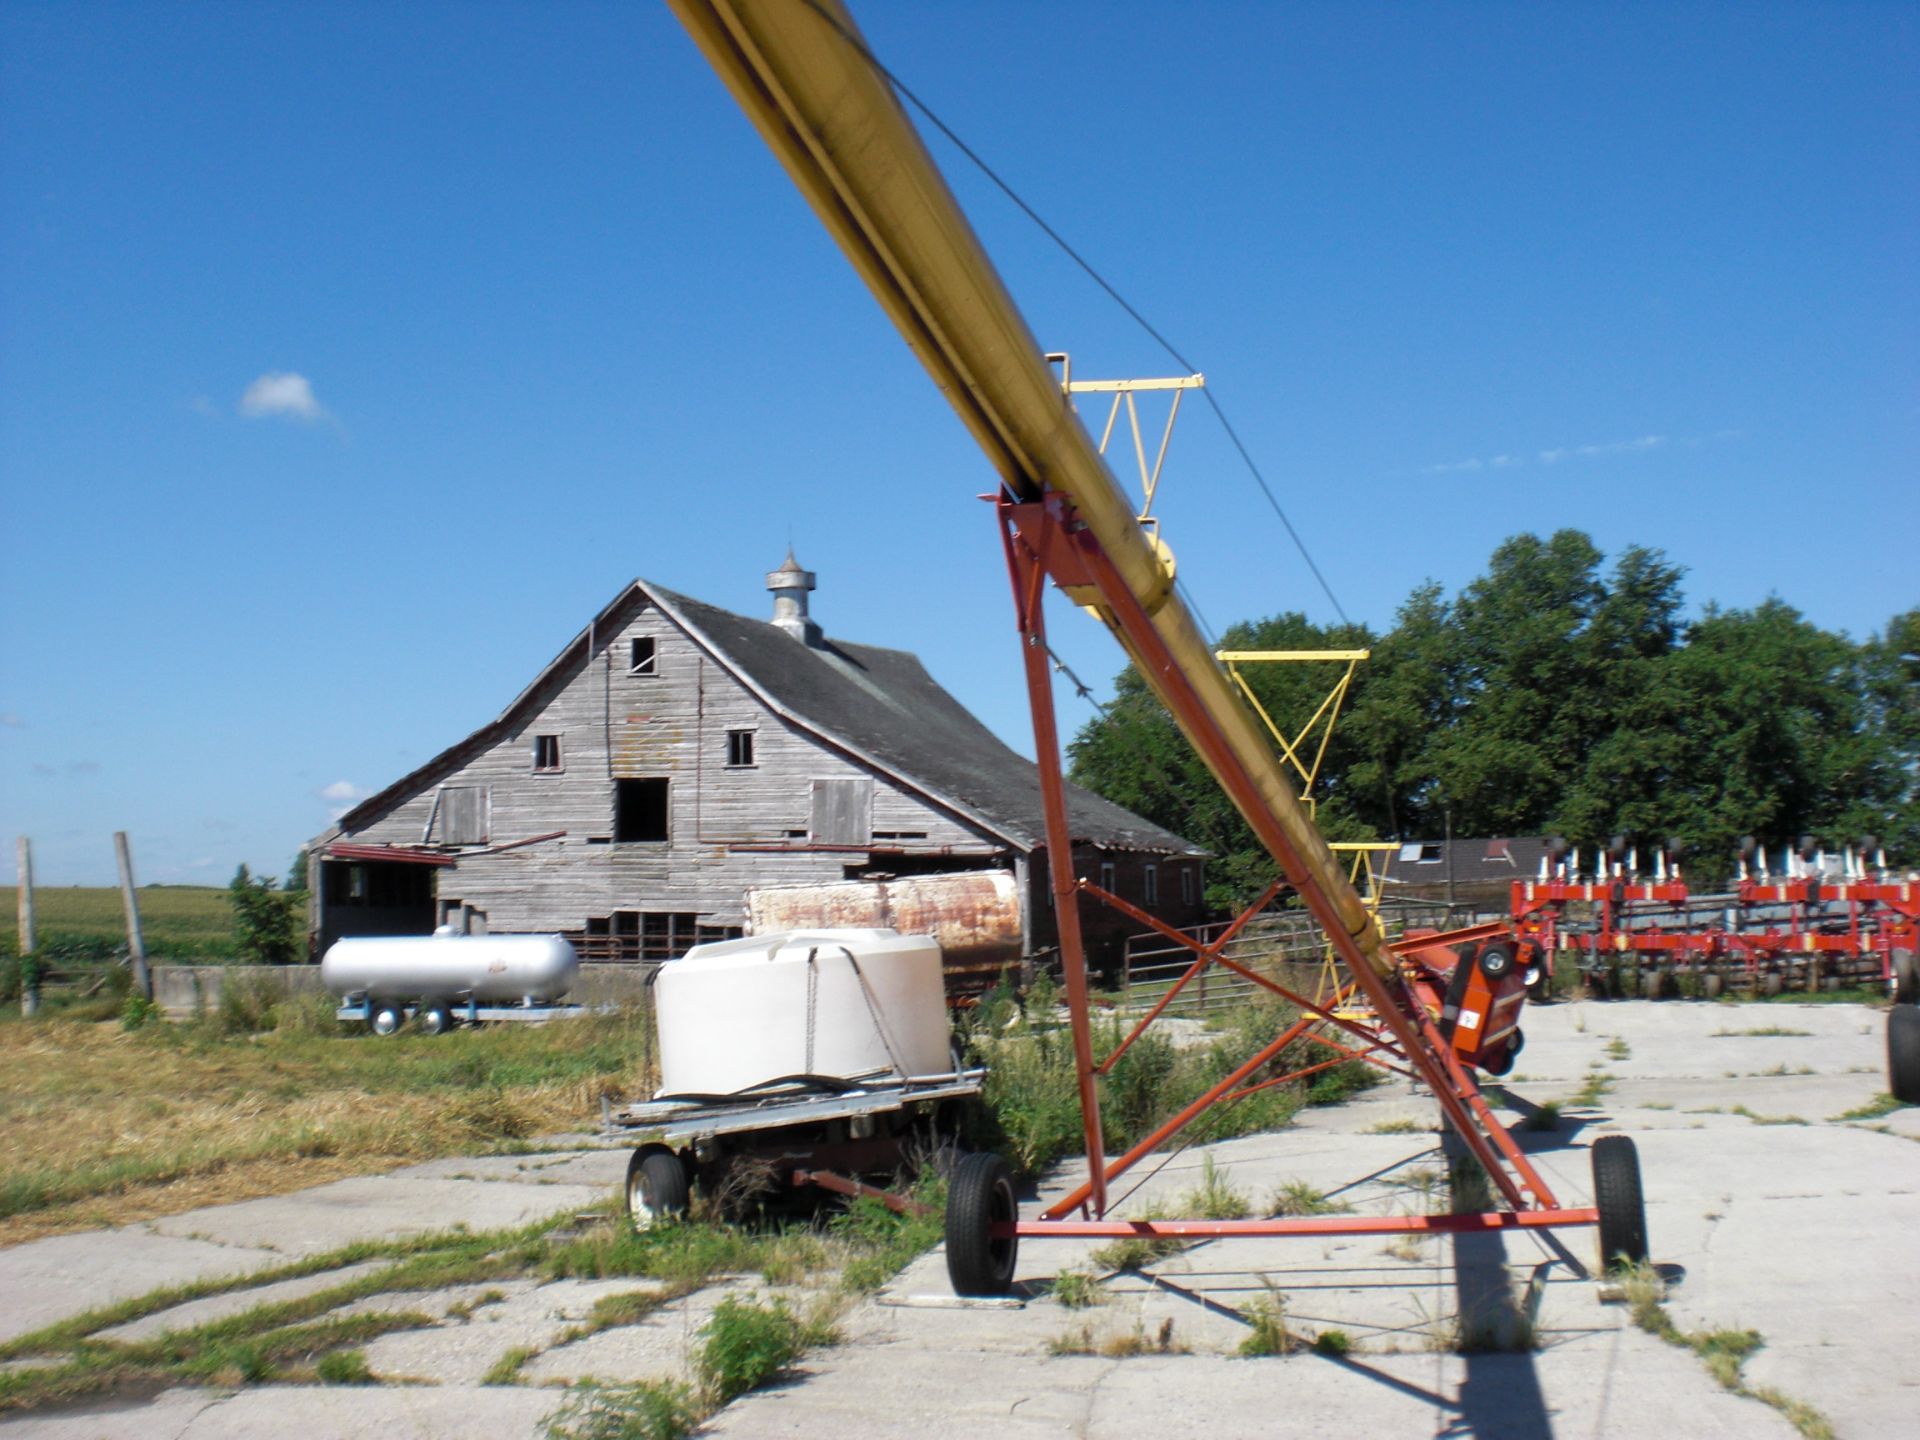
(99, 1126)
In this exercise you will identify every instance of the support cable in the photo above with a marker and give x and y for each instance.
(973, 157)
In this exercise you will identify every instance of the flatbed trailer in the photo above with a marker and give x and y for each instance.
(807, 1131)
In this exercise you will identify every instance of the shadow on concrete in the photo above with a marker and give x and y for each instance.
(1500, 1392)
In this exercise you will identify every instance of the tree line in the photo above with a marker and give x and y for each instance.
(1557, 695)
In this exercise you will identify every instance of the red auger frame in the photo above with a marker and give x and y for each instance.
(1453, 1005)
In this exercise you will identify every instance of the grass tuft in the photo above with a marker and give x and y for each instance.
(1267, 1332)
(344, 1367)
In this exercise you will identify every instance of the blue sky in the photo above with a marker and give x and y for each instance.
(352, 355)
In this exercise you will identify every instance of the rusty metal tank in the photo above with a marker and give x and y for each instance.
(973, 914)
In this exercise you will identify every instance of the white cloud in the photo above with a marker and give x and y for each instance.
(12, 721)
(1638, 445)
(341, 796)
(281, 395)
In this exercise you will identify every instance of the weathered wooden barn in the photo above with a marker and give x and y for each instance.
(674, 755)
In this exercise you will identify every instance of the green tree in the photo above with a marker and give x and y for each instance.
(296, 881)
(1550, 696)
(266, 920)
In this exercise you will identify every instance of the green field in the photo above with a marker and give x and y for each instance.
(177, 921)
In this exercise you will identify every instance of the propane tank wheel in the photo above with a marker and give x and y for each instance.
(1616, 1193)
(980, 1196)
(435, 1019)
(657, 1187)
(387, 1019)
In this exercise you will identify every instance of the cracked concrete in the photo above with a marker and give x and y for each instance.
(1800, 1231)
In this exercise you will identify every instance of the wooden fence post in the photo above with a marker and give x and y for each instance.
(136, 943)
(29, 940)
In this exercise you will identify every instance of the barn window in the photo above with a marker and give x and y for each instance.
(1107, 877)
(644, 656)
(842, 812)
(1150, 885)
(546, 752)
(639, 810)
(1186, 885)
(739, 748)
(463, 815)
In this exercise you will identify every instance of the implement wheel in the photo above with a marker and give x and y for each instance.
(435, 1019)
(387, 1019)
(1906, 977)
(1903, 1054)
(657, 1187)
(980, 1196)
(1616, 1193)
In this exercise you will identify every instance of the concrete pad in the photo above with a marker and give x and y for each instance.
(354, 1412)
(49, 1280)
(377, 1207)
(529, 1315)
(218, 1307)
(169, 1413)
(603, 1168)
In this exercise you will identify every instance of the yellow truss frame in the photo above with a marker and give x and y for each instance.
(1323, 718)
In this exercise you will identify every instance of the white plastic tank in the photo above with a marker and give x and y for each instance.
(842, 1003)
(492, 969)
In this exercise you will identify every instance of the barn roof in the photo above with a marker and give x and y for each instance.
(878, 705)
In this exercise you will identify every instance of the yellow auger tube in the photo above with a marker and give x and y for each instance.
(797, 68)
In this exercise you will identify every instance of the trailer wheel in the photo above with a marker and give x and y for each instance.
(387, 1019)
(1653, 984)
(657, 1187)
(434, 1019)
(1712, 984)
(1903, 1054)
(1771, 983)
(979, 1196)
(1616, 1193)
(1496, 961)
(1906, 977)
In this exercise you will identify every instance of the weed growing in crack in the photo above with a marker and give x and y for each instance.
(506, 1370)
(1297, 1197)
(651, 1410)
(1724, 1352)
(1078, 1289)
(344, 1367)
(1267, 1332)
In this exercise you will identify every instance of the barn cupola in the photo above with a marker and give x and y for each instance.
(790, 585)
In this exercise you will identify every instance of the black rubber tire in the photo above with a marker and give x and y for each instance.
(1771, 983)
(434, 1019)
(1712, 984)
(387, 1019)
(657, 1188)
(1616, 1193)
(1510, 1054)
(1906, 977)
(1496, 961)
(979, 1196)
(1903, 1054)
(1653, 983)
